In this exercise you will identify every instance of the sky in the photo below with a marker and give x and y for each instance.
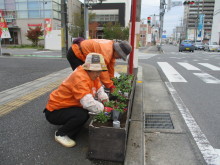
(172, 18)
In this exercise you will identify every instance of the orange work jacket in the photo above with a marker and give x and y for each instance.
(72, 90)
(102, 46)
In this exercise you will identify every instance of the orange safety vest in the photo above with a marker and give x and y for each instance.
(72, 90)
(102, 46)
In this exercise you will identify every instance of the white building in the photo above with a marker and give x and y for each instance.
(215, 36)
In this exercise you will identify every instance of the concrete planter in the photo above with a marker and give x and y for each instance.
(107, 142)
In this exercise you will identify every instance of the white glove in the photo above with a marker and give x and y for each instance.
(102, 95)
(89, 103)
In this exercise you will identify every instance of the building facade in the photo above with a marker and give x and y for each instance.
(115, 11)
(215, 37)
(22, 14)
(198, 19)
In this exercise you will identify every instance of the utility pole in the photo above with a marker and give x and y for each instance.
(162, 11)
(64, 31)
(86, 20)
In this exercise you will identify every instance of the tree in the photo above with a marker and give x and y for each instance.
(77, 28)
(115, 31)
(33, 35)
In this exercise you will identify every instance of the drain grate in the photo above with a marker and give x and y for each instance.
(158, 120)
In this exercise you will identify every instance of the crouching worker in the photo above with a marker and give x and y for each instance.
(70, 104)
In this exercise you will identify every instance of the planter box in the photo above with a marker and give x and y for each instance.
(108, 143)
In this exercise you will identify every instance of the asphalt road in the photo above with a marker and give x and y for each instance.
(26, 137)
(196, 78)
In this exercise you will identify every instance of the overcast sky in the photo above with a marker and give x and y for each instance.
(172, 18)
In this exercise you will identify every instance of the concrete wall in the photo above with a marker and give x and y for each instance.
(53, 40)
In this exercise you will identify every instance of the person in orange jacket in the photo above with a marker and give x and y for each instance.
(71, 102)
(108, 48)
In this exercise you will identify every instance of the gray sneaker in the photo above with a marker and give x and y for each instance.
(65, 141)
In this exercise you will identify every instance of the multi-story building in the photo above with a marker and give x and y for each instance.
(194, 28)
(22, 14)
(215, 37)
(116, 11)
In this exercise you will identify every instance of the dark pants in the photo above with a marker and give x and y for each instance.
(72, 119)
(73, 60)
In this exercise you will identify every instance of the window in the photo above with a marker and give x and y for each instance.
(22, 14)
(21, 6)
(34, 14)
(56, 15)
(33, 6)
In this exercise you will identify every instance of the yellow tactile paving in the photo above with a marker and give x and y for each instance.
(121, 68)
(12, 105)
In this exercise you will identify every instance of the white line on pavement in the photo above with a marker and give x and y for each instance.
(171, 73)
(188, 66)
(210, 66)
(207, 78)
(209, 153)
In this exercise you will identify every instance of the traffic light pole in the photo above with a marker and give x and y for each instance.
(64, 32)
(162, 11)
(86, 20)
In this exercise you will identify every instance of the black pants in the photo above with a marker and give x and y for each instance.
(73, 60)
(72, 119)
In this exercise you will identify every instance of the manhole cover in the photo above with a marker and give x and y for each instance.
(158, 120)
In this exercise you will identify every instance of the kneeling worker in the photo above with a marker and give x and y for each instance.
(70, 103)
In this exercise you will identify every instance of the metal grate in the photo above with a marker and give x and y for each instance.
(158, 120)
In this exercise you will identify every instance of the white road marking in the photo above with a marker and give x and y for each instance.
(209, 154)
(207, 78)
(188, 66)
(210, 66)
(171, 73)
(145, 56)
(42, 51)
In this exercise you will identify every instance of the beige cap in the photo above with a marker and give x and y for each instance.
(95, 62)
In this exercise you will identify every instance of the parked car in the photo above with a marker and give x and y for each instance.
(199, 46)
(186, 45)
(211, 46)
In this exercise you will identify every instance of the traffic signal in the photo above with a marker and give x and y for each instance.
(188, 2)
(148, 20)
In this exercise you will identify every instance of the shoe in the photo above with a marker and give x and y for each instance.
(65, 141)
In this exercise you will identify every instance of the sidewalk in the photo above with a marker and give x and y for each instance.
(158, 134)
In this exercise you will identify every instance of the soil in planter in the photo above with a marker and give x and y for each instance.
(109, 123)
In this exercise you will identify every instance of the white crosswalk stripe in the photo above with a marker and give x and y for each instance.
(188, 66)
(174, 76)
(210, 66)
(171, 73)
(207, 78)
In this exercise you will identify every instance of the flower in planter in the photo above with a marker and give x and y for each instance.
(102, 117)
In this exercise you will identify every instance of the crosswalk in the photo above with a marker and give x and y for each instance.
(174, 76)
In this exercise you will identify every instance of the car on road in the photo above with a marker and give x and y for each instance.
(199, 46)
(186, 45)
(211, 46)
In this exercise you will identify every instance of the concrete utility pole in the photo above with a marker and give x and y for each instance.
(64, 31)
(162, 11)
(86, 20)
